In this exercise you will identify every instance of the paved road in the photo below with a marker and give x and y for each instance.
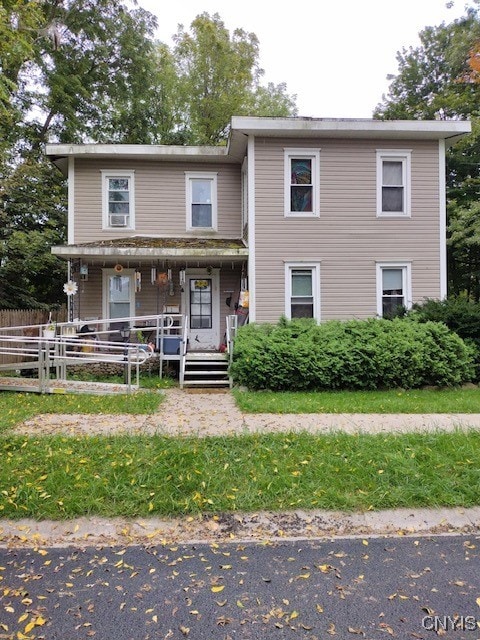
(372, 588)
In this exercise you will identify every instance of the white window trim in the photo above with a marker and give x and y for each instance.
(315, 267)
(310, 154)
(106, 274)
(405, 156)
(406, 268)
(106, 174)
(201, 175)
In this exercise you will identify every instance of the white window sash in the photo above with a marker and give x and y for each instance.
(406, 269)
(314, 157)
(314, 267)
(190, 177)
(394, 155)
(108, 175)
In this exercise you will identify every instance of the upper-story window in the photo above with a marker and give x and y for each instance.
(393, 183)
(201, 189)
(118, 199)
(302, 182)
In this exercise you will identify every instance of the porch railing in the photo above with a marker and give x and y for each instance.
(122, 340)
(231, 332)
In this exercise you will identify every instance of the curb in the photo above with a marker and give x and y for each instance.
(236, 527)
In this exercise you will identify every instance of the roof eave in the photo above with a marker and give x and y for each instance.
(146, 253)
(352, 128)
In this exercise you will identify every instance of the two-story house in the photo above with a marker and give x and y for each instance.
(319, 218)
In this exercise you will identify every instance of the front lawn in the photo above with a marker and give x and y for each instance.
(17, 407)
(64, 477)
(395, 401)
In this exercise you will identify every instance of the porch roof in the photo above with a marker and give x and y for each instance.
(152, 248)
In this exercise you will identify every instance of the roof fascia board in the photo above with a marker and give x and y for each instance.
(133, 150)
(73, 251)
(441, 129)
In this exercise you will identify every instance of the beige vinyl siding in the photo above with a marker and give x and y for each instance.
(347, 239)
(88, 301)
(160, 206)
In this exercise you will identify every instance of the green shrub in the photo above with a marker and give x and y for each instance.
(357, 354)
(459, 314)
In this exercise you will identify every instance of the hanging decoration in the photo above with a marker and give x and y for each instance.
(153, 275)
(118, 268)
(181, 277)
(70, 288)
(84, 272)
(244, 300)
(162, 279)
(138, 281)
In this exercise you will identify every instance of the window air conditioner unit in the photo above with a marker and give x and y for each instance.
(118, 220)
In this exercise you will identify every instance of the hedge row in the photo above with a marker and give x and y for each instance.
(459, 314)
(357, 354)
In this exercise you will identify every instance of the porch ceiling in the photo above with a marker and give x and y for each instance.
(145, 248)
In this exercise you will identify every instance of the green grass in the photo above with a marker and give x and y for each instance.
(17, 407)
(64, 477)
(416, 401)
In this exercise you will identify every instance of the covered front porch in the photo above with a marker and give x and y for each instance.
(204, 279)
(198, 282)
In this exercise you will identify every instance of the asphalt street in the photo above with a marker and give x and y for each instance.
(374, 588)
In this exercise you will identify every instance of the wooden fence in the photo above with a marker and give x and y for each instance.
(25, 317)
(22, 317)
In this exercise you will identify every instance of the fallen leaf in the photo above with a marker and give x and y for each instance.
(325, 568)
(218, 588)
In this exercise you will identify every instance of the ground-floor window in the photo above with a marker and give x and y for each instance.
(302, 290)
(393, 288)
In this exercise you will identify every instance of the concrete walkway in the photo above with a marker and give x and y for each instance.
(186, 413)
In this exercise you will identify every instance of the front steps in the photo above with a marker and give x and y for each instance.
(206, 369)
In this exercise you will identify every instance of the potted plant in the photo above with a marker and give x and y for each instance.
(50, 328)
(49, 331)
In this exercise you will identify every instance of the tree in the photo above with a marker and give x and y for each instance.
(435, 81)
(219, 76)
(70, 72)
(90, 71)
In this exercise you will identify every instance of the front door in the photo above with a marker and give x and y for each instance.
(202, 305)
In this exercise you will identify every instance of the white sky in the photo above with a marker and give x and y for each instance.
(334, 55)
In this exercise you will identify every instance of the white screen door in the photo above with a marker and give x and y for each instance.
(202, 304)
(118, 294)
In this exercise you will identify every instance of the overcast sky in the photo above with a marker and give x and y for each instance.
(334, 55)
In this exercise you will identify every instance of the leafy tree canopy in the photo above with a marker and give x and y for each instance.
(91, 71)
(437, 80)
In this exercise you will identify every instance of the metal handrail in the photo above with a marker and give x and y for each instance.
(44, 354)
